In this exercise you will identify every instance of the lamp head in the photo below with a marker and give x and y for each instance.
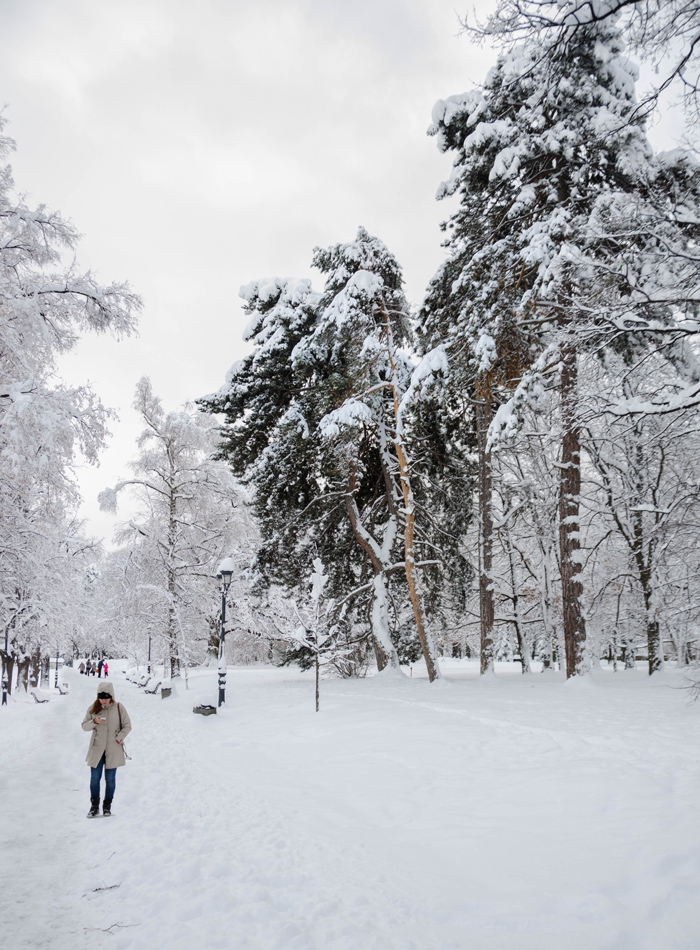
(225, 572)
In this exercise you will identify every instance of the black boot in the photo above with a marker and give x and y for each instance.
(94, 807)
(107, 807)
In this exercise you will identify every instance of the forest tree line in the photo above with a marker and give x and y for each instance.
(507, 471)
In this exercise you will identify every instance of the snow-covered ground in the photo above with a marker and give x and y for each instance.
(516, 813)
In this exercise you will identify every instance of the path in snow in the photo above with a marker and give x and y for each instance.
(516, 814)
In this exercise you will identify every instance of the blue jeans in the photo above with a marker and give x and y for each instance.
(110, 780)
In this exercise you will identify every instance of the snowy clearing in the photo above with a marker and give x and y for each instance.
(516, 813)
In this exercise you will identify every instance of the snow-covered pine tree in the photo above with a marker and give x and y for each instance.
(364, 316)
(662, 32)
(316, 421)
(650, 292)
(272, 406)
(551, 157)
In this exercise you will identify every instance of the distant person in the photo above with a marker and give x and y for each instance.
(81, 668)
(99, 669)
(88, 668)
(110, 724)
(105, 669)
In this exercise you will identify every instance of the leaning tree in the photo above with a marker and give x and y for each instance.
(321, 421)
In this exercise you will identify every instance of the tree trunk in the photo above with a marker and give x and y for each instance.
(34, 667)
(654, 650)
(412, 578)
(550, 630)
(172, 642)
(569, 531)
(214, 624)
(484, 415)
(523, 645)
(172, 629)
(409, 516)
(317, 677)
(384, 649)
(643, 557)
(172, 612)
(616, 631)
(9, 670)
(23, 672)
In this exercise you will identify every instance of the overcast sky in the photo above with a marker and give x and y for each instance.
(198, 146)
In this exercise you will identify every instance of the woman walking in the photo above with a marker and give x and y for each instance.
(110, 724)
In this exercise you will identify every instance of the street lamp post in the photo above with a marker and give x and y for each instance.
(55, 682)
(5, 682)
(149, 653)
(223, 575)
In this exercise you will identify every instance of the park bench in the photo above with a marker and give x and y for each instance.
(154, 690)
(36, 698)
(62, 692)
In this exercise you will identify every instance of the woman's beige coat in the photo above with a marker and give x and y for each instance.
(105, 734)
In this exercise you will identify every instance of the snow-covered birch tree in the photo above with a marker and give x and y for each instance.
(190, 515)
(46, 303)
(310, 631)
